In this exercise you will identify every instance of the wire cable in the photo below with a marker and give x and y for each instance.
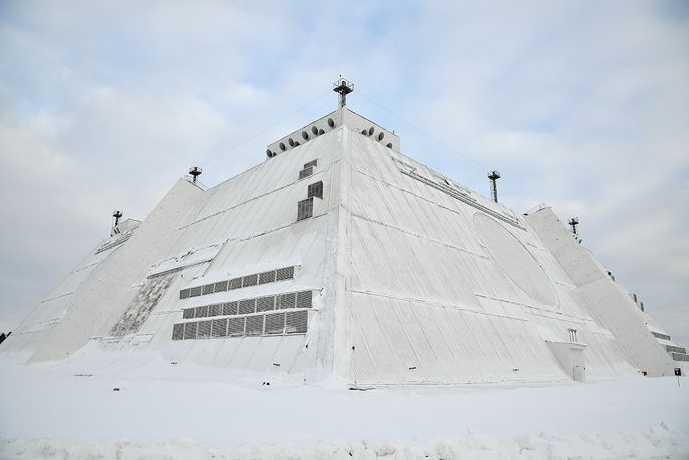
(445, 145)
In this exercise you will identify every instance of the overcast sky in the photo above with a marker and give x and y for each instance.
(581, 105)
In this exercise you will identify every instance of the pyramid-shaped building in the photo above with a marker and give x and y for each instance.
(340, 256)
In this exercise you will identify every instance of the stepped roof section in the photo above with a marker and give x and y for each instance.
(340, 117)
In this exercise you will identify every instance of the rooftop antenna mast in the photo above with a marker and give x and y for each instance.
(494, 176)
(573, 222)
(195, 172)
(117, 215)
(343, 87)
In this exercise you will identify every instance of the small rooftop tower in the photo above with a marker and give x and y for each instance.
(494, 176)
(195, 172)
(343, 87)
(573, 222)
(117, 215)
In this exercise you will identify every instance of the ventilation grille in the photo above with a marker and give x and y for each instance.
(316, 190)
(306, 172)
(305, 209)
(250, 280)
(671, 348)
(661, 336)
(680, 357)
(178, 332)
(247, 306)
(271, 276)
(308, 169)
(259, 318)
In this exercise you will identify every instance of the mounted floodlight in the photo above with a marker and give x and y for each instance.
(343, 87)
(117, 215)
(195, 172)
(494, 176)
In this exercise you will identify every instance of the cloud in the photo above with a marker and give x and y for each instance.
(582, 106)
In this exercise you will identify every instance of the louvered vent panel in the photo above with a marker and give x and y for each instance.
(235, 327)
(188, 313)
(236, 283)
(204, 331)
(316, 190)
(221, 286)
(305, 209)
(266, 277)
(286, 301)
(190, 330)
(265, 304)
(195, 291)
(202, 312)
(254, 325)
(184, 294)
(306, 172)
(215, 310)
(311, 163)
(275, 323)
(229, 308)
(208, 288)
(178, 332)
(250, 280)
(304, 299)
(247, 306)
(296, 322)
(286, 273)
(219, 328)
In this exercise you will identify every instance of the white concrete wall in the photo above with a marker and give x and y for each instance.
(100, 294)
(609, 302)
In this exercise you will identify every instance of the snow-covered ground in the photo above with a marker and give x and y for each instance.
(180, 411)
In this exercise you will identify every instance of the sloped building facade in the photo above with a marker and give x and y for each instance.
(338, 255)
